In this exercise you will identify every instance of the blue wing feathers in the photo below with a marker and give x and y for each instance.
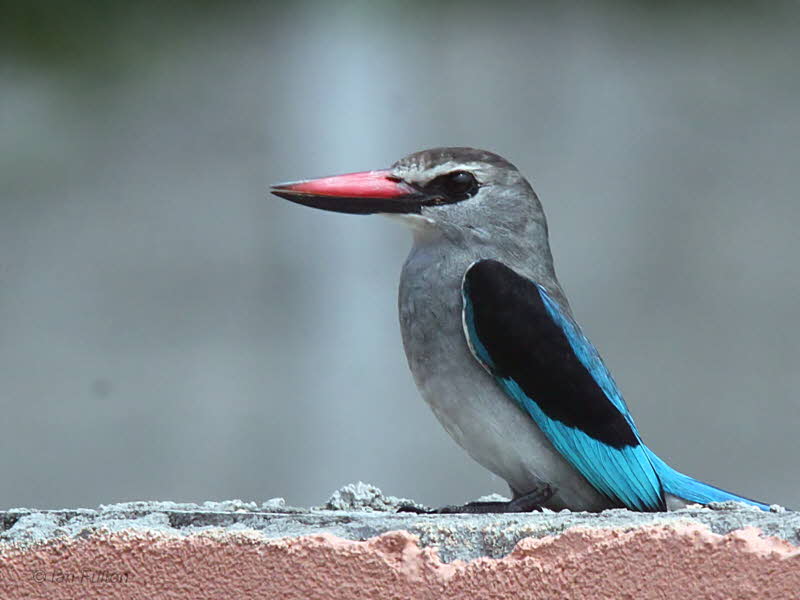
(673, 481)
(624, 474)
(514, 328)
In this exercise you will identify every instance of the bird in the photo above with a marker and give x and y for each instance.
(492, 343)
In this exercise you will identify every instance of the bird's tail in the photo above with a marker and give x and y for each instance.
(690, 489)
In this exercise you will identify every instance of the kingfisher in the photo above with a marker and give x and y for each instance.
(492, 343)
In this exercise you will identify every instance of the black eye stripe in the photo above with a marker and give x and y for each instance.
(451, 187)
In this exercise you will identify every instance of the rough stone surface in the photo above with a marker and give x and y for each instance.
(356, 546)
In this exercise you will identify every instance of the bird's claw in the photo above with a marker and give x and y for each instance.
(532, 501)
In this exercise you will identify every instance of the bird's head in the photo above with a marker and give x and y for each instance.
(463, 191)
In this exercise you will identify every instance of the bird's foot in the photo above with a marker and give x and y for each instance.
(528, 503)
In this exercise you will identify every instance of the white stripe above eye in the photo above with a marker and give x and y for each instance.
(420, 175)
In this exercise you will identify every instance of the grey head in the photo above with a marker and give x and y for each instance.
(472, 200)
(475, 195)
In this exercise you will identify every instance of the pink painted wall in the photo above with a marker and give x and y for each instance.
(675, 562)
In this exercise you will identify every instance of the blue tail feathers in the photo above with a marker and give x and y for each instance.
(685, 487)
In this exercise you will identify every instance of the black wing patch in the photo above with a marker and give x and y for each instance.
(523, 342)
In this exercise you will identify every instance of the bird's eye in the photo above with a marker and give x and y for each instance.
(459, 182)
(453, 187)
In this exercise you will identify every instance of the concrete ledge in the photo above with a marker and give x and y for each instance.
(355, 547)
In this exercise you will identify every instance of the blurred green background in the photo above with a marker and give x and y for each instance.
(170, 331)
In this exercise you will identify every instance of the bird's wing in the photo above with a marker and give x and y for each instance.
(543, 361)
